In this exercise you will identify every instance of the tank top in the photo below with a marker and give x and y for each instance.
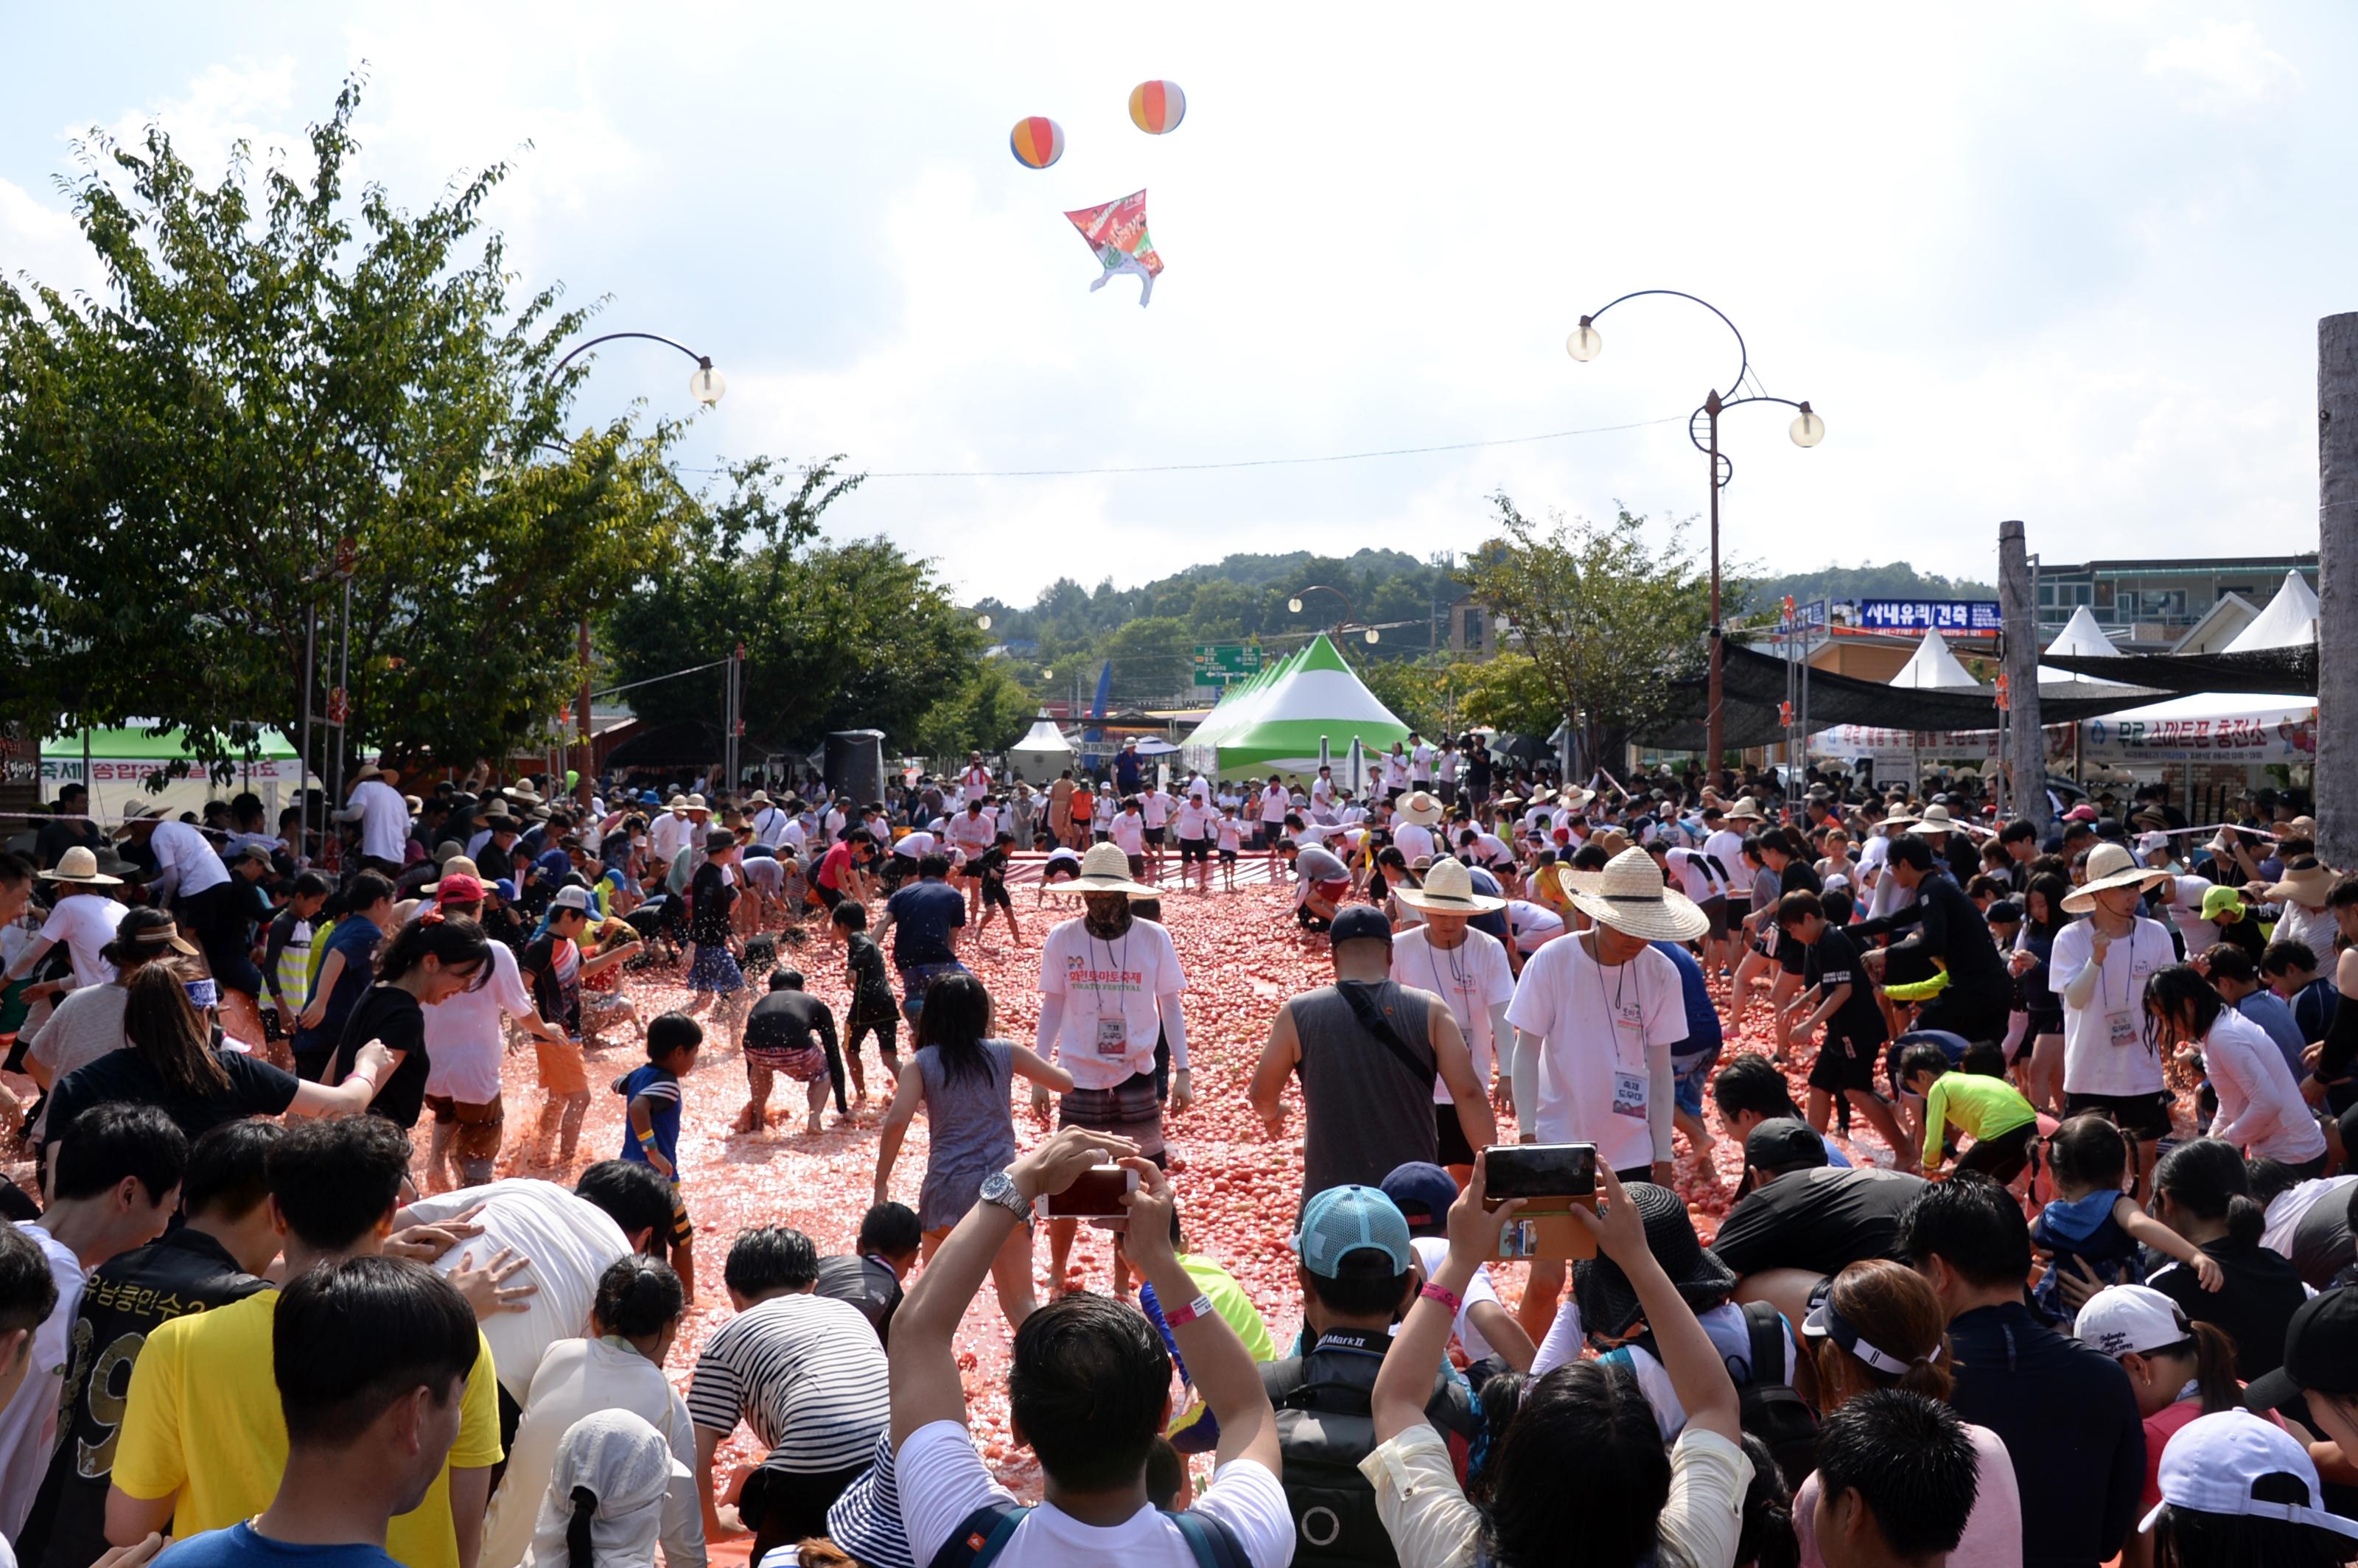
(1367, 1111)
(969, 1126)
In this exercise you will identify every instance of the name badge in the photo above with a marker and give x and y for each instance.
(1113, 1037)
(1629, 1094)
(2122, 1029)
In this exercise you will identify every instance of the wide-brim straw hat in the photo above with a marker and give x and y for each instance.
(2307, 882)
(1448, 890)
(2110, 866)
(1105, 869)
(758, 797)
(456, 866)
(1421, 809)
(79, 864)
(2300, 828)
(1628, 895)
(1573, 799)
(1936, 822)
(524, 795)
(1746, 810)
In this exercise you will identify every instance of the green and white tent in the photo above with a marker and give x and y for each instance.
(1273, 722)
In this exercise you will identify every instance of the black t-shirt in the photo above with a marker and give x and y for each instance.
(124, 1300)
(710, 896)
(256, 1089)
(1833, 963)
(1823, 1219)
(868, 1283)
(788, 1020)
(924, 914)
(390, 1014)
(2262, 1293)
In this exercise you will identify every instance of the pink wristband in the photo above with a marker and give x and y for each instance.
(1200, 1307)
(1449, 1299)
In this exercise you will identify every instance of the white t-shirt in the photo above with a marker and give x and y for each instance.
(1155, 807)
(178, 847)
(1232, 833)
(570, 1241)
(1419, 764)
(943, 1481)
(1604, 1029)
(1697, 877)
(2293, 1205)
(667, 835)
(1275, 803)
(1727, 849)
(1472, 977)
(770, 826)
(28, 1423)
(914, 845)
(1111, 1015)
(2186, 909)
(1448, 766)
(1193, 820)
(85, 922)
(385, 820)
(1322, 790)
(1128, 832)
(462, 1033)
(1396, 771)
(2105, 1048)
(975, 784)
(2260, 1107)
(1414, 840)
(1432, 1251)
(1532, 926)
(974, 831)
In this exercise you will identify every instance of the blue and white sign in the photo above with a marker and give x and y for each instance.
(1933, 614)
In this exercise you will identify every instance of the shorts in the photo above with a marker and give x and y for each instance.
(916, 980)
(1137, 866)
(2003, 1156)
(1129, 1109)
(1791, 958)
(1194, 850)
(1714, 909)
(715, 970)
(2045, 1021)
(2145, 1118)
(1688, 1081)
(1061, 871)
(1845, 1064)
(1454, 1150)
(994, 890)
(475, 1129)
(886, 1028)
(1154, 836)
(1227, 857)
(801, 1059)
(563, 1074)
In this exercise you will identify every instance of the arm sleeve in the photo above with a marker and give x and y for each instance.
(1524, 1074)
(1052, 1023)
(1659, 1100)
(1174, 1029)
(274, 944)
(1936, 1117)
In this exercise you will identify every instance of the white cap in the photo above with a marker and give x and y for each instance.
(2148, 842)
(2211, 1464)
(2120, 1319)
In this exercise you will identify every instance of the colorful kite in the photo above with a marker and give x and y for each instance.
(1036, 142)
(1157, 107)
(1117, 232)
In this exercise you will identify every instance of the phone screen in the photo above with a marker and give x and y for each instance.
(1096, 1194)
(1540, 1169)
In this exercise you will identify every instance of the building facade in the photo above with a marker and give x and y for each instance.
(2149, 607)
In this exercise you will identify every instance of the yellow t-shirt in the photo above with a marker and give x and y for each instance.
(201, 1425)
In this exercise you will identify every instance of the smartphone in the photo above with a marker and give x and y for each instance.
(1540, 1169)
(1096, 1194)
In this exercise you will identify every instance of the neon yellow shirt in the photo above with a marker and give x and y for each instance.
(1981, 1106)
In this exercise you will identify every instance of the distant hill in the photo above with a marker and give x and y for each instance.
(1898, 581)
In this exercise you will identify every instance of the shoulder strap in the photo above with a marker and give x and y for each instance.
(1371, 1019)
(1768, 1330)
(1209, 1540)
(981, 1536)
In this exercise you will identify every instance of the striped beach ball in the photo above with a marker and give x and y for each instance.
(1036, 142)
(1156, 107)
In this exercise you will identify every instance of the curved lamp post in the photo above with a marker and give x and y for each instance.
(1350, 616)
(706, 386)
(1807, 431)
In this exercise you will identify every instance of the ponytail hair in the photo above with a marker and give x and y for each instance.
(638, 1297)
(2206, 1178)
(458, 941)
(1889, 1308)
(1765, 1535)
(2215, 1370)
(577, 1553)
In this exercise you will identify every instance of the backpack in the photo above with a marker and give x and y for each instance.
(1323, 1430)
(986, 1532)
(1767, 1405)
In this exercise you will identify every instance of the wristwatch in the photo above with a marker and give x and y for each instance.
(1001, 1189)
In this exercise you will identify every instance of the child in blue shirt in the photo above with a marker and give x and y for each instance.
(2094, 1225)
(651, 1134)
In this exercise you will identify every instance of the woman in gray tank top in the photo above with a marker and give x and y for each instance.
(962, 1077)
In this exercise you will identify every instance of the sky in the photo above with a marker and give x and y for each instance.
(2060, 262)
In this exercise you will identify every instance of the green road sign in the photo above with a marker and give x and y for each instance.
(1216, 664)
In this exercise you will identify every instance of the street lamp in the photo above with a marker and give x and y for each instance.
(1807, 431)
(982, 623)
(1350, 616)
(706, 386)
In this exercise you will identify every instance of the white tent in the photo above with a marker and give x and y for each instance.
(2226, 726)
(1043, 753)
(2288, 621)
(1932, 665)
(2081, 638)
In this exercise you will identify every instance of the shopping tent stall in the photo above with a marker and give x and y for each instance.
(1043, 753)
(2227, 726)
(1274, 723)
(2275, 654)
(124, 761)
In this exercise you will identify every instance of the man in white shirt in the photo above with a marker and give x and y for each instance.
(384, 816)
(1419, 760)
(1322, 788)
(1412, 827)
(186, 861)
(1196, 826)
(1096, 1456)
(767, 820)
(1274, 804)
(975, 782)
(1467, 970)
(667, 835)
(1155, 808)
(85, 918)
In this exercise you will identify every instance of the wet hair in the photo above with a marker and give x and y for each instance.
(366, 890)
(955, 1022)
(2089, 1151)
(2018, 831)
(1983, 1058)
(1972, 1223)
(638, 1297)
(163, 1027)
(1752, 1083)
(352, 1336)
(2181, 990)
(28, 1291)
(2206, 1177)
(1797, 906)
(1086, 1386)
(769, 1259)
(1911, 1463)
(849, 916)
(932, 866)
(1894, 1310)
(2283, 956)
(1166, 1473)
(334, 1180)
(1583, 1460)
(783, 980)
(311, 884)
(891, 1229)
(630, 1194)
(2269, 1179)
(2224, 960)
(121, 1137)
(453, 940)
(1838, 905)
(670, 1031)
(229, 1169)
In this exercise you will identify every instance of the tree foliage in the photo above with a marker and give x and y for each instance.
(278, 362)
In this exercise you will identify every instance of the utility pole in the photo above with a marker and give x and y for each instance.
(2337, 590)
(2025, 743)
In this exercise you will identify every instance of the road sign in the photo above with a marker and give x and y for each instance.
(1961, 615)
(1216, 664)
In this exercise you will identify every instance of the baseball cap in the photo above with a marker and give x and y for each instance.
(2081, 814)
(2004, 911)
(1782, 1143)
(1423, 1192)
(2218, 901)
(2213, 1463)
(575, 897)
(2148, 842)
(1343, 1220)
(2119, 1319)
(2321, 1352)
(505, 887)
(458, 888)
(1361, 921)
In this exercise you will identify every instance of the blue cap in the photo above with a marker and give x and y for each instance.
(1361, 921)
(649, 797)
(506, 888)
(1423, 1193)
(1341, 1220)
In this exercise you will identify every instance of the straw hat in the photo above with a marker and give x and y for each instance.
(1573, 799)
(2110, 866)
(456, 866)
(1628, 895)
(1746, 810)
(2305, 881)
(758, 797)
(1448, 890)
(80, 865)
(1611, 841)
(696, 802)
(1936, 822)
(1421, 809)
(1105, 869)
(2299, 827)
(524, 794)
(677, 805)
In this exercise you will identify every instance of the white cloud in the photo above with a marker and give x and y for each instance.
(2229, 61)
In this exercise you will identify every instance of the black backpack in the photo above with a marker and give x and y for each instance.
(1767, 1406)
(1323, 1430)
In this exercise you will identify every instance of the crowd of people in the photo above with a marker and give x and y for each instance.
(2048, 1261)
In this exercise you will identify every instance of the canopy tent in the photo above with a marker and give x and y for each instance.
(1931, 667)
(2081, 637)
(124, 761)
(2275, 655)
(2228, 726)
(1274, 722)
(1043, 753)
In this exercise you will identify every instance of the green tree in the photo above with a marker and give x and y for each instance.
(987, 711)
(1153, 656)
(1606, 622)
(276, 363)
(1507, 694)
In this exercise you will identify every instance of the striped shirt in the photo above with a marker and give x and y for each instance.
(805, 1373)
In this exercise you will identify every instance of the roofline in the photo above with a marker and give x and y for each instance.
(2202, 563)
